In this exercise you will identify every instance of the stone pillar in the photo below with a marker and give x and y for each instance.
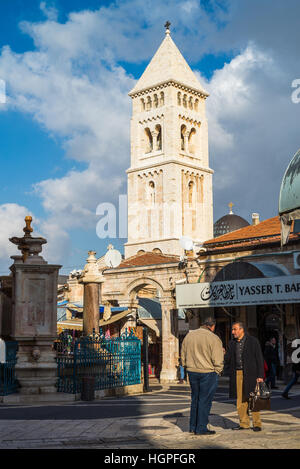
(91, 308)
(91, 279)
(34, 316)
(170, 343)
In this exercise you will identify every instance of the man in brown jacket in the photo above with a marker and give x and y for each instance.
(202, 355)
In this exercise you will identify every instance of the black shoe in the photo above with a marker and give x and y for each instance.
(241, 428)
(257, 429)
(207, 432)
(285, 395)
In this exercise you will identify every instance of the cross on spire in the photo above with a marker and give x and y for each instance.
(167, 26)
(230, 205)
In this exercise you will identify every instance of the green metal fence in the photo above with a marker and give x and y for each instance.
(8, 382)
(112, 362)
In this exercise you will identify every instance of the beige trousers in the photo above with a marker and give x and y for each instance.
(242, 406)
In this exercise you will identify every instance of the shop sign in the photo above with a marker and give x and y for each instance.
(285, 289)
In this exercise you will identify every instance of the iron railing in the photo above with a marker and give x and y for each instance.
(8, 381)
(112, 362)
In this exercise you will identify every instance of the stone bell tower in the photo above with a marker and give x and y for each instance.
(169, 180)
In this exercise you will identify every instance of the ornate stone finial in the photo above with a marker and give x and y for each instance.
(92, 257)
(29, 246)
(109, 247)
(91, 272)
(27, 229)
(167, 26)
(230, 205)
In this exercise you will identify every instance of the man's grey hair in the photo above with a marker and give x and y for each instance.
(209, 321)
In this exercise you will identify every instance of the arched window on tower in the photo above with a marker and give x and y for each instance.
(155, 100)
(191, 103)
(191, 192)
(182, 137)
(179, 98)
(143, 106)
(148, 141)
(158, 137)
(162, 99)
(192, 141)
(184, 100)
(151, 193)
(148, 104)
(196, 105)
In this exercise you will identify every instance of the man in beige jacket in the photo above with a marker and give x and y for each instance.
(203, 356)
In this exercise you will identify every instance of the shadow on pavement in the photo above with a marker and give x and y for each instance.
(214, 420)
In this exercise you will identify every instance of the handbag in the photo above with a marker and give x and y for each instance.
(260, 399)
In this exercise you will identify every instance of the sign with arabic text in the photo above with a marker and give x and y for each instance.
(285, 289)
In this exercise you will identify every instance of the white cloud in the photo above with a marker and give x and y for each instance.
(49, 11)
(58, 247)
(12, 224)
(253, 131)
(90, 111)
(188, 6)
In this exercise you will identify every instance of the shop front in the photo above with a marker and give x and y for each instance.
(269, 306)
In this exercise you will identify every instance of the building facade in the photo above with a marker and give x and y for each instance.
(247, 276)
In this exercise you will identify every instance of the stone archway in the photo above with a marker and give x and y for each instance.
(169, 325)
(137, 284)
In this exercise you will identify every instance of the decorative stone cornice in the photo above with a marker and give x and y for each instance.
(186, 165)
(202, 94)
(151, 118)
(191, 120)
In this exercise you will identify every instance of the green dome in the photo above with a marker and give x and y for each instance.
(289, 197)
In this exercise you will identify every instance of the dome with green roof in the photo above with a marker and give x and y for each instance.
(289, 197)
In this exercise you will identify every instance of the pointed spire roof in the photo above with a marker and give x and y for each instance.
(168, 64)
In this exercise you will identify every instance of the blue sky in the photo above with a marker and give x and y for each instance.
(68, 66)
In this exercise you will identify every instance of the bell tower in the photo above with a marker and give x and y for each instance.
(169, 180)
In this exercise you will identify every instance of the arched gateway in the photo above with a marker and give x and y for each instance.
(151, 275)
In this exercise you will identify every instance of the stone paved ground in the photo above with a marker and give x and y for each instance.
(281, 431)
(162, 430)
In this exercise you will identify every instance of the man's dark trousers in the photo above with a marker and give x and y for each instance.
(203, 387)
